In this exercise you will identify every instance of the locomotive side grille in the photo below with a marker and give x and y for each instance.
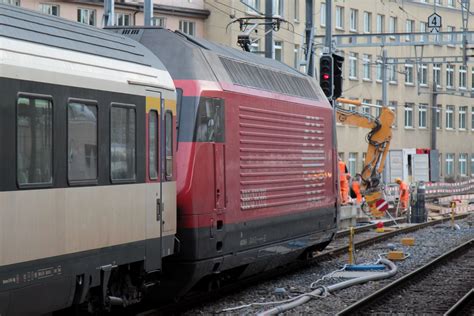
(250, 75)
(282, 159)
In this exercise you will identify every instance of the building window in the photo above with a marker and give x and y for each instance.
(423, 74)
(472, 165)
(392, 25)
(437, 74)
(392, 73)
(353, 20)
(158, 21)
(153, 144)
(352, 164)
(463, 164)
(277, 50)
(472, 78)
(422, 117)
(367, 22)
(296, 60)
(380, 23)
(353, 65)
(449, 164)
(255, 48)
(452, 37)
(410, 27)
(451, 3)
(51, 9)
(11, 2)
(450, 76)
(462, 77)
(296, 10)
(86, 16)
(252, 4)
(366, 108)
(364, 156)
(438, 116)
(367, 67)
(409, 115)
(187, 27)
(378, 70)
(339, 17)
(34, 137)
(278, 7)
(409, 74)
(422, 30)
(438, 2)
(392, 105)
(123, 19)
(472, 118)
(322, 14)
(378, 108)
(449, 116)
(82, 141)
(122, 143)
(462, 117)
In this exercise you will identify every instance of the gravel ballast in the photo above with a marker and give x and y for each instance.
(430, 242)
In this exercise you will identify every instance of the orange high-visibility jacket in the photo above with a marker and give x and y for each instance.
(404, 193)
(356, 189)
(342, 170)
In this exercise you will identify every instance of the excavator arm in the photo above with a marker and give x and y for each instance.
(378, 140)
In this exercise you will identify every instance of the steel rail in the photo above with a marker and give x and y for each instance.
(460, 305)
(199, 298)
(380, 294)
(383, 236)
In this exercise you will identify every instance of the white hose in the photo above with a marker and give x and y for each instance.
(335, 287)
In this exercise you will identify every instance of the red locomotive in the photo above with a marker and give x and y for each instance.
(256, 184)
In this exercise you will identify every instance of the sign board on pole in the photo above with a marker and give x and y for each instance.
(434, 22)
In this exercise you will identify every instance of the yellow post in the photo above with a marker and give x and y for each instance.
(453, 206)
(351, 245)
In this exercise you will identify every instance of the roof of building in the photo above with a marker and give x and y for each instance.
(26, 25)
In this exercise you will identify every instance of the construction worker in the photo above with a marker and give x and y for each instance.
(356, 189)
(404, 194)
(343, 182)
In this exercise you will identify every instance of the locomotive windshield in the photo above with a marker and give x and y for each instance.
(202, 123)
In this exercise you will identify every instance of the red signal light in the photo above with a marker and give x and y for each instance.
(325, 76)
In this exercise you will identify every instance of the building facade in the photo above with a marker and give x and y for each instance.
(287, 41)
(187, 16)
(411, 84)
(410, 88)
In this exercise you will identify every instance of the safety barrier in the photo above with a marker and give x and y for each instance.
(434, 189)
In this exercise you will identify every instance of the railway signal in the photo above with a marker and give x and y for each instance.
(338, 64)
(326, 75)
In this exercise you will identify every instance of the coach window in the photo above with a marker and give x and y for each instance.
(169, 144)
(210, 121)
(122, 143)
(153, 144)
(34, 140)
(82, 140)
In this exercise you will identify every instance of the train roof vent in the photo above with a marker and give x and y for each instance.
(135, 34)
(253, 76)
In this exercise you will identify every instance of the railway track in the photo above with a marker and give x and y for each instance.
(444, 285)
(365, 237)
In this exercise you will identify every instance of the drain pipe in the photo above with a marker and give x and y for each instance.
(335, 287)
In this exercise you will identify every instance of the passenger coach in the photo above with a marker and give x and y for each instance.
(87, 211)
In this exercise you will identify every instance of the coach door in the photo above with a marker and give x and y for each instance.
(218, 122)
(154, 227)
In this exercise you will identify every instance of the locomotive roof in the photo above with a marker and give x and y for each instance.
(188, 57)
(26, 25)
